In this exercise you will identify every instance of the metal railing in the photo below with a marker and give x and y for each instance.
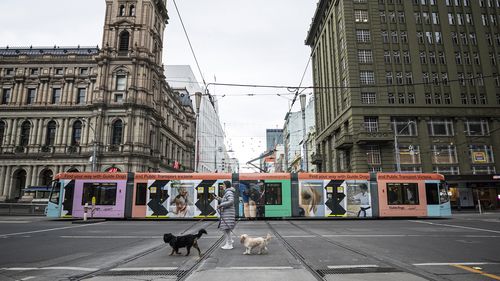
(22, 209)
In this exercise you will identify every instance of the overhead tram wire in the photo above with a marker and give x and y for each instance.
(190, 45)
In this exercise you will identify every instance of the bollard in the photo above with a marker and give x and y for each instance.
(85, 208)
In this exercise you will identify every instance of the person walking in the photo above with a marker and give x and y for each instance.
(227, 214)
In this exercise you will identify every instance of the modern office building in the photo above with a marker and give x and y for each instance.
(273, 138)
(410, 86)
(93, 109)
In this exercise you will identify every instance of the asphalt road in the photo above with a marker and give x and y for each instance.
(465, 247)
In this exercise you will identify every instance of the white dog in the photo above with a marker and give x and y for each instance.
(258, 243)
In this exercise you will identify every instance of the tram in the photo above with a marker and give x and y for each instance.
(259, 195)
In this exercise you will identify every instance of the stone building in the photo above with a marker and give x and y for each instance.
(410, 86)
(93, 109)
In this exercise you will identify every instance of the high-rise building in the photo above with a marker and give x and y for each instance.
(273, 138)
(93, 109)
(410, 86)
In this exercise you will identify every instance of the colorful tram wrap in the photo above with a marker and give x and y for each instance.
(275, 195)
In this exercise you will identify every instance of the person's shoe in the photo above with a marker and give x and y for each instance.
(227, 247)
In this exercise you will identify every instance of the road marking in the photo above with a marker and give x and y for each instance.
(49, 268)
(493, 276)
(368, 235)
(28, 278)
(352, 266)
(46, 230)
(256, 267)
(457, 226)
(298, 236)
(453, 263)
(108, 237)
(143, 269)
(15, 221)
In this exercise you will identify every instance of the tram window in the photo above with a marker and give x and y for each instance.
(432, 194)
(54, 196)
(273, 194)
(140, 194)
(443, 193)
(402, 194)
(104, 193)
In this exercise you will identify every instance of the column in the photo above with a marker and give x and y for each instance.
(2, 180)
(13, 133)
(7, 181)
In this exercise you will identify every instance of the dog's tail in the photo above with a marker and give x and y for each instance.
(201, 232)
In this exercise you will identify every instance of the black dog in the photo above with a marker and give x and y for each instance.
(188, 241)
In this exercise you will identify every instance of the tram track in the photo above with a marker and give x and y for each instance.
(401, 266)
(106, 270)
(296, 254)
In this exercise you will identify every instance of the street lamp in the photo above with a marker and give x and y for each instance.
(303, 109)
(197, 97)
(396, 145)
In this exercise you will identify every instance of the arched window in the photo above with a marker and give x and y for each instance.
(124, 38)
(132, 11)
(24, 138)
(73, 170)
(122, 10)
(77, 133)
(19, 183)
(46, 177)
(116, 135)
(51, 133)
(2, 131)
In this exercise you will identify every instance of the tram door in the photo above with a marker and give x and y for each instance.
(68, 195)
(437, 199)
(207, 191)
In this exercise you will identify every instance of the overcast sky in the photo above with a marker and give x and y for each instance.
(235, 41)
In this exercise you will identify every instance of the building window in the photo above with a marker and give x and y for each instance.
(121, 11)
(9, 71)
(132, 11)
(402, 194)
(390, 98)
(363, 35)
(84, 71)
(401, 98)
(423, 58)
(482, 99)
(59, 71)
(483, 170)
(360, 16)
(404, 126)
(24, 138)
(406, 57)
(6, 96)
(476, 127)
(31, 96)
(446, 170)
(447, 98)
(440, 127)
(411, 98)
(442, 58)
(365, 56)
(77, 133)
(51, 133)
(368, 98)
(409, 154)
(2, 132)
(387, 56)
(371, 123)
(428, 98)
(124, 41)
(80, 98)
(367, 77)
(121, 82)
(34, 71)
(388, 78)
(437, 98)
(444, 154)
(119, 98)
(117, 131)
(373, 155)
(56, 95)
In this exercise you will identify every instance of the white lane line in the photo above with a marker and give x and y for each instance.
(109, 237)
(28, 278)
(368, 235)
(352, 266)
(144, 269)
(15, 221)
(456, 226)
(452, 263)
(298, 236)
(49, 268)
(46, 230)
(256, 268)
